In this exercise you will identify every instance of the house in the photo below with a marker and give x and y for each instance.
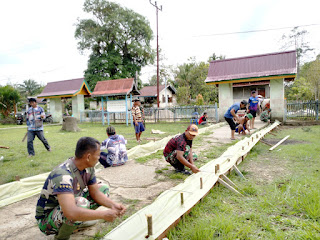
(265, 73)
(76, 89)
(148, 95)
(115, 96)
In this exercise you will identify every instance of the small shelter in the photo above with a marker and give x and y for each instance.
(167, 96)
(259, 70)
(76, 89)
(118, 96)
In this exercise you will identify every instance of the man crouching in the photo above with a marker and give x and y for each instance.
(71, 194)
(178, 151)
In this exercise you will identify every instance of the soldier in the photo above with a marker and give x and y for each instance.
(71, 194)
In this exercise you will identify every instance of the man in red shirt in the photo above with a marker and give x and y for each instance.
(178, 151)
(203, 119)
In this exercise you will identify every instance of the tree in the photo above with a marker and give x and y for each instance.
(299, 90)
(183, 95)
(313, 77)
(29, 88)
(296, 39)
(118, 38)
(8, 99)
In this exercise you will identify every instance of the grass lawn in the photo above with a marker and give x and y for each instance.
(281, 195)
(16, 161)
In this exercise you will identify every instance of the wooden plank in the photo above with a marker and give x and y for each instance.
(228, 186)
(264, 142)
(4, 147)
(281, 141)
(238, 171)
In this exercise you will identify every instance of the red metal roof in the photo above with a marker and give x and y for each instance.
(265, 65)
(65, 87)
(151, 91)
(115, 87)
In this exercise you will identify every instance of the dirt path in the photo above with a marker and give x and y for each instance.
(133, 184)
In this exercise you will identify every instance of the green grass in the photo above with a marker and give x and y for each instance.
(17, 163)
(287, 206)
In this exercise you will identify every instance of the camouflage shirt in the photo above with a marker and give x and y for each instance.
(61, 180)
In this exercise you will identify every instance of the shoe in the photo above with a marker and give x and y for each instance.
(87, 224)
(49, 150)
(185, 172)
(30, 155)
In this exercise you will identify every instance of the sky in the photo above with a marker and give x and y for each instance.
(37, 37)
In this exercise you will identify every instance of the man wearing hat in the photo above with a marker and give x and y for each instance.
(137, 119)
(243, 124)
(116, 146)
(232, 113)
(35, 116)
(178, 151)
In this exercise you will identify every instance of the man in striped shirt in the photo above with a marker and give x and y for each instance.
(137, 119)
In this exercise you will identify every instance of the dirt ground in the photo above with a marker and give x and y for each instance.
(132, 184)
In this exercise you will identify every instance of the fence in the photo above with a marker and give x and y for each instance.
(303, 110)
(172, 114)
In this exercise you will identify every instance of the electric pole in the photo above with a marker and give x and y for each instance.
(157, 10)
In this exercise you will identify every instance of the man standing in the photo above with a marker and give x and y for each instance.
(71, 194)
(253, 107)
(35, 116)
(232, 113)
(137, 119)
(178, 151)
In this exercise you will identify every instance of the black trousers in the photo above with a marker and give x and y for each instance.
(31, 136)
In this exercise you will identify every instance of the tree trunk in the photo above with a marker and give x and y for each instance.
(70, 124)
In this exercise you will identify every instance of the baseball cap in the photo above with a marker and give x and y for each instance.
(111, 130)
(249, 115)
(32, 100)
(244, 102)
(193, 129)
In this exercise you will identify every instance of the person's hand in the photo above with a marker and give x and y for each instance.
(136, 123)
(110, 215)
(119, 207)
(194, 169)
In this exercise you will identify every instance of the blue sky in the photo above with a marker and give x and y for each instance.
(37, 37)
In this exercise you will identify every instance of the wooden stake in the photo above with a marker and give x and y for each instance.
(201, 184)
(149, 220)
(257, 136)
(228, 180)
(17, 178)
(265, 142)
(4, 147)
(182, 201)
(242, 148)
(238, 171)
(279, 143)
(252, 139)
(228, 186)
(273, 134)
(217, 167)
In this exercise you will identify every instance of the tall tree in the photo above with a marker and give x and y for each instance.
(29, 88)
(313, 77)
(8, 99)
(118, 39)
(296, 38)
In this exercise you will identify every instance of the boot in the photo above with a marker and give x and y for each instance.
(65, 232)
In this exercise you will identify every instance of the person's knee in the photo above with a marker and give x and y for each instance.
(82, 202)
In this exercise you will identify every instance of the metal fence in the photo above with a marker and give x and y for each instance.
(172, 114)
(302, 110)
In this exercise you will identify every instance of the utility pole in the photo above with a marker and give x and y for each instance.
(157, 10)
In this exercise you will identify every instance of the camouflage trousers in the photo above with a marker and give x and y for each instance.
(55, 219)
(174, 161)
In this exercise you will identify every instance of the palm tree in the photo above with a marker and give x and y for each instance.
(8, 99)
(29, 88)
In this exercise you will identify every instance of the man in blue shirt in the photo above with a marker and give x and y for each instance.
(232, 113)
(253, 107)
(35, 116)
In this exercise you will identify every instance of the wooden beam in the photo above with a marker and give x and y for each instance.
(4, 147)
(226, 179)
(228, 186)
(281, 141)
(264, 142)
(238, 171)
(272, 133)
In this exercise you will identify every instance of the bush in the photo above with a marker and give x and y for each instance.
(8, 120)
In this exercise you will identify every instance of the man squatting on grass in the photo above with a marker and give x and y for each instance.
(137, 119)
(35, 116)
(178, 151)
(232, 113)
(71, 194)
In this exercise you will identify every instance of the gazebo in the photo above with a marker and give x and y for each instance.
(118, 96)
(272, 69)
(76, 89)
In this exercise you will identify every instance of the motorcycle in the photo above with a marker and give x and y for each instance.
(48, 119)
(19, 118)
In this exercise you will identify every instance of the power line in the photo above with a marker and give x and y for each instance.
(252, 31)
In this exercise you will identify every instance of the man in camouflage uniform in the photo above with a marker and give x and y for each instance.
(71, 194)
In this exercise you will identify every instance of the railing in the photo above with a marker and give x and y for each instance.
(170, 114)
(302, 110)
